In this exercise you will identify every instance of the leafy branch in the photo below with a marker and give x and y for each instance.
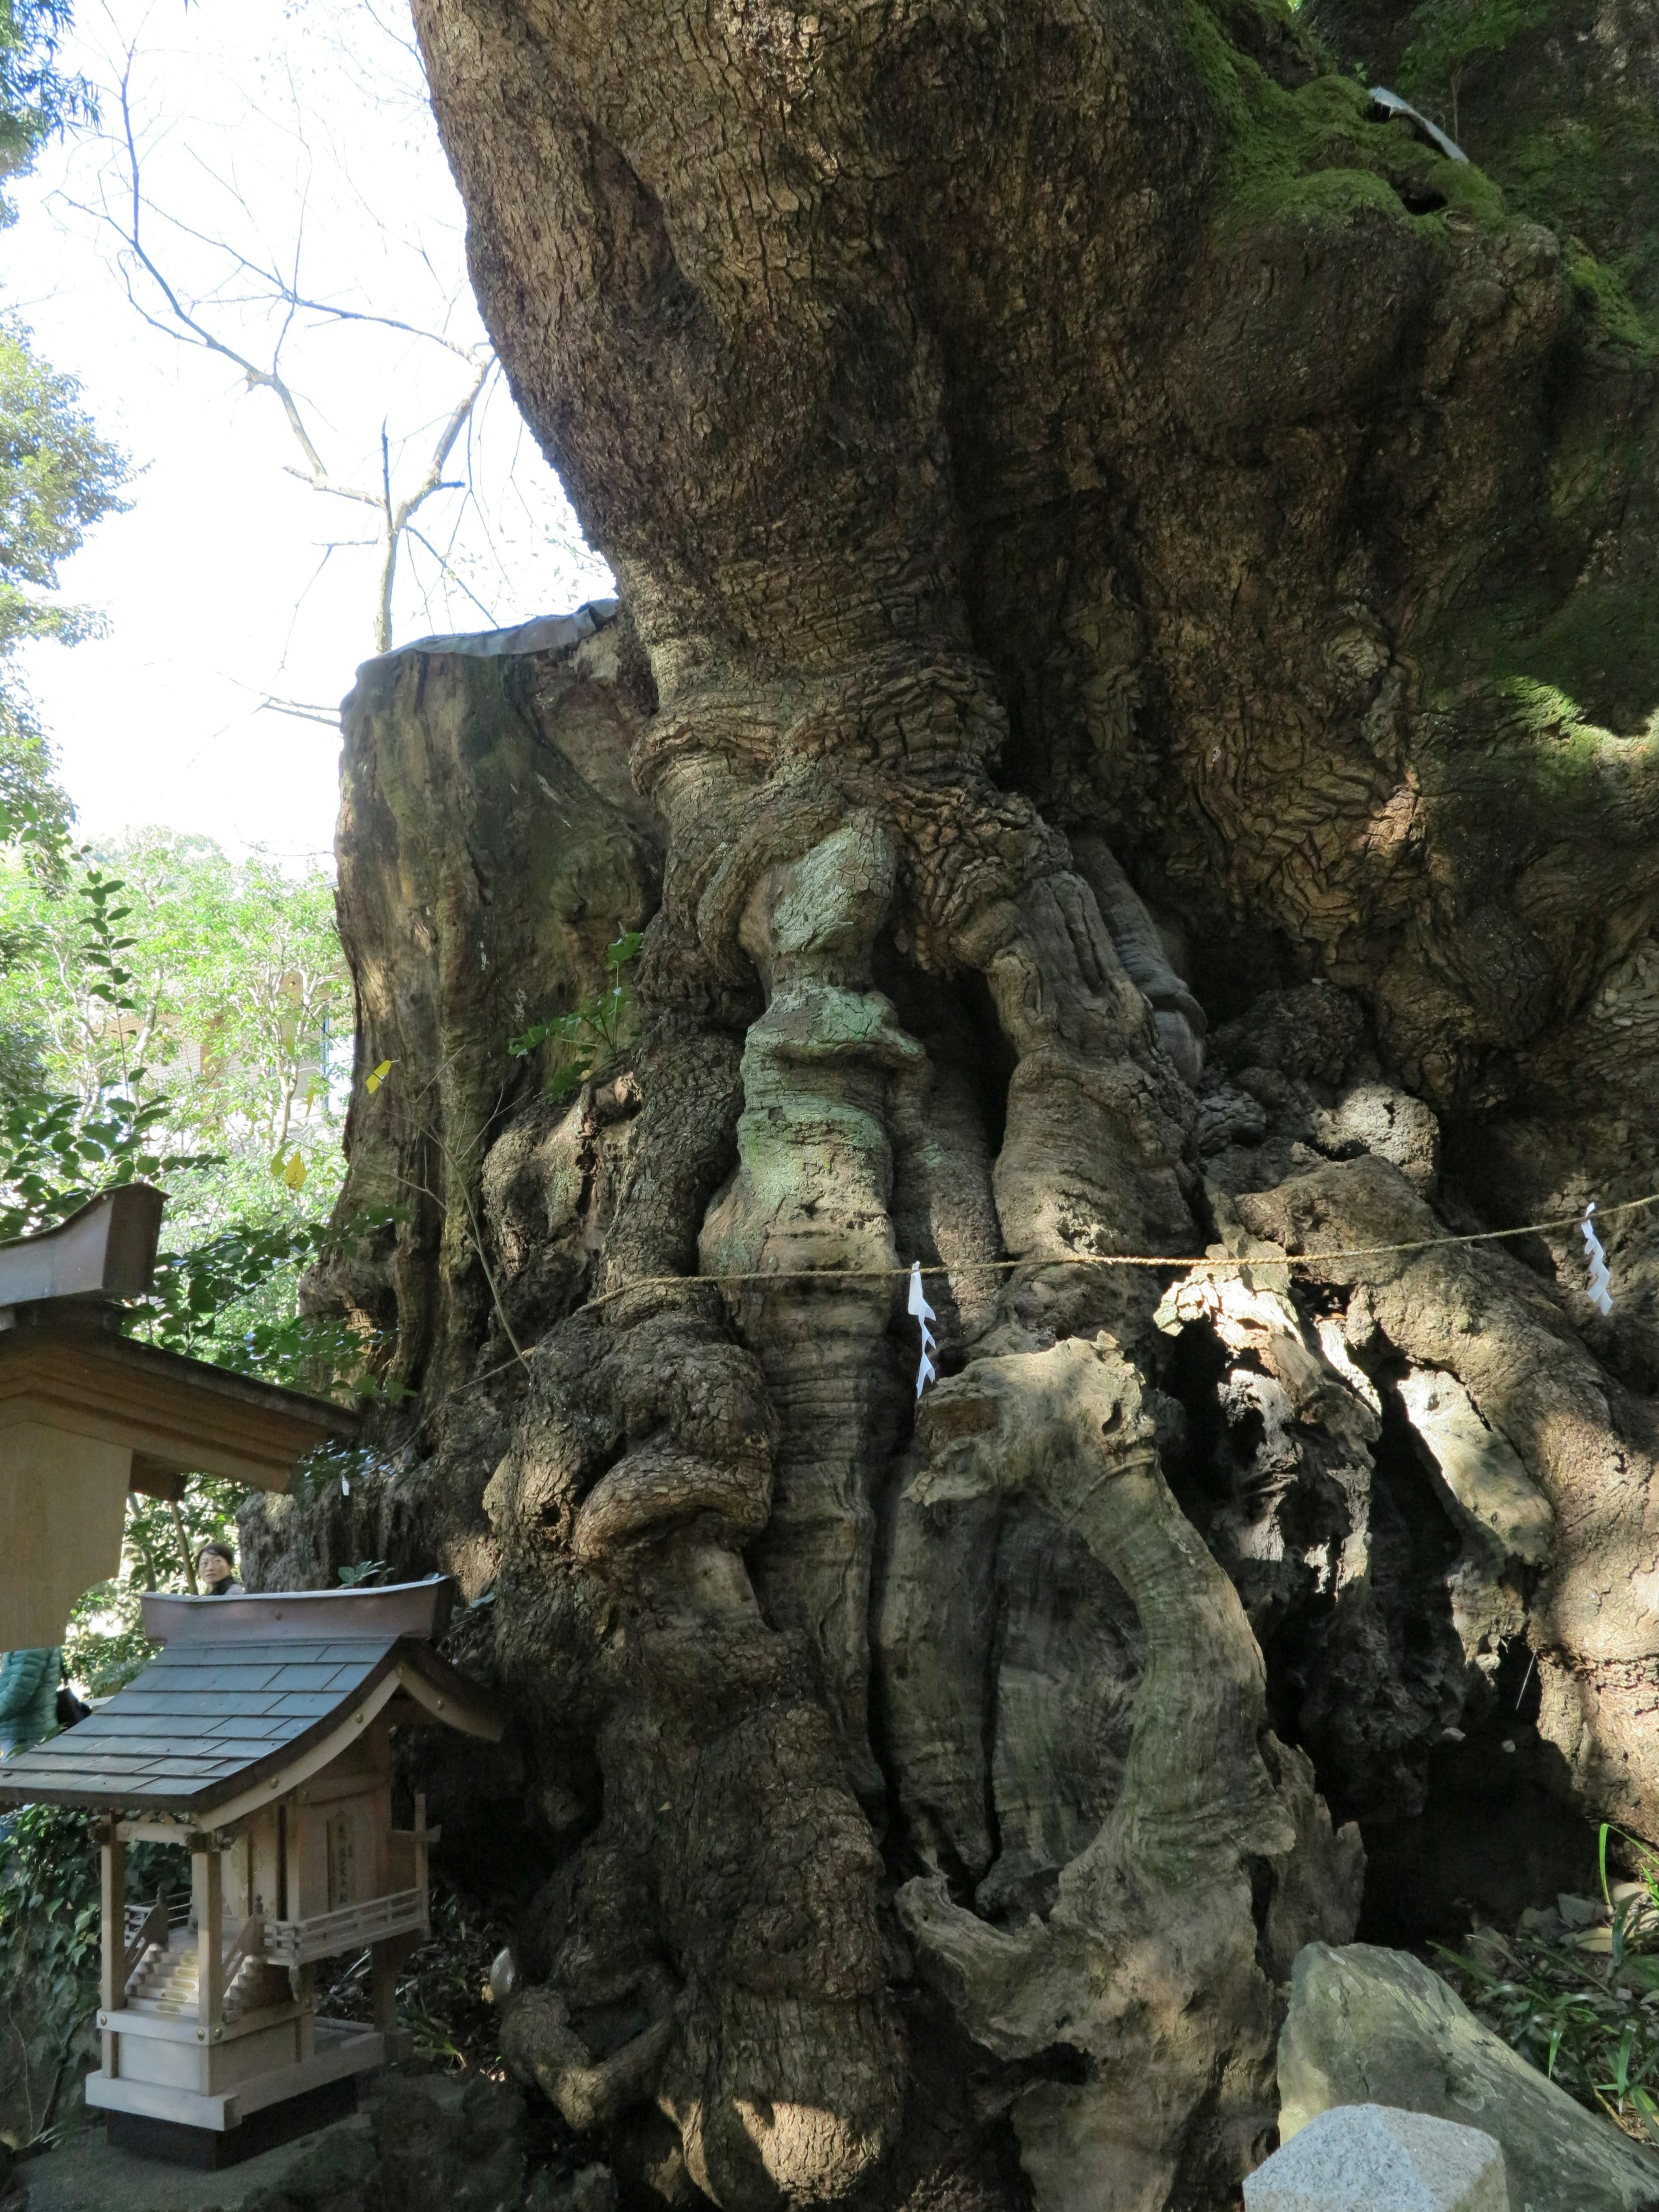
(593, 1032)
(1582, 2003)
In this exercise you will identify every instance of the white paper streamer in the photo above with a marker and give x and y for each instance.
(1597, 1288)
(926, 1372)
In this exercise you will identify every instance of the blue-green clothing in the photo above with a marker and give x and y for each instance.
(28, 1696)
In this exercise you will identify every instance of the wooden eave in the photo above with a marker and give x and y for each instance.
(178, 1415)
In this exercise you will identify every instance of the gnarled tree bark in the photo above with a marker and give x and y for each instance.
(1108, 523)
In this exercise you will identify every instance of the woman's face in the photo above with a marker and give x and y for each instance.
(211, 1569)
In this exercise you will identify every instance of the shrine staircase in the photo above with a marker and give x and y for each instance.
(165, 1977)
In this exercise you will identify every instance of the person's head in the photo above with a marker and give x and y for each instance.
(215, 1563)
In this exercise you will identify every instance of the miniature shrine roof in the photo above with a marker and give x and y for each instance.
(252, 1695)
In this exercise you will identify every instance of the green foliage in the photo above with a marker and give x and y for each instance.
(49, 1929)
(49, 1923)
(1602, 289)
(57, 477)
(34, 810)
(168, 1011)
(365, 1571)
(1581, 2005)
(1447, 35)
(585, 1038)
(176, 1007)
(1311, 153)
(441, 1996)
(63, 1148)
(59, 1155)
(116, 985)
(1587, 168)
(105, 1645)
(36, 98)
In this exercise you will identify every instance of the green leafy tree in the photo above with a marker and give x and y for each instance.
(177, 1010)
(1448, 35)
(179, 1014)
(36, 97)
(57, 477)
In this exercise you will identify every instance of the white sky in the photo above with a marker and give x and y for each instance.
(276, 125)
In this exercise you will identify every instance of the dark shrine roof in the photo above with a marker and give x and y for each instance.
(245, 1688)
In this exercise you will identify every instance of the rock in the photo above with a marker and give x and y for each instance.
(590, 2188)
(593, 2190)
(1368, 2026)
(332, 2171)
(1374, 2157)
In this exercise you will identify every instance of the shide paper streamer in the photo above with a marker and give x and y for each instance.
(926, 1372)
(1595, 1289)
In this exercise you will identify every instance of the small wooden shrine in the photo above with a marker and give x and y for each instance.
(259, 1740)
(87, 1413)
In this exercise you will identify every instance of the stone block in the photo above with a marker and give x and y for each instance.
(1374, 2157)
(1368, 2026)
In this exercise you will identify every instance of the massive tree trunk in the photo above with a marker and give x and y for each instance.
(1119, 539)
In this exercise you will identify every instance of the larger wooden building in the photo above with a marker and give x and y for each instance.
(88, 1413)
(259, 1742)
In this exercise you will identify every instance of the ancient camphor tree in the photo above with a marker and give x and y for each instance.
(1117, 536)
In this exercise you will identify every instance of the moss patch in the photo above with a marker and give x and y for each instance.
(1312, 150)
(1602, 291)
(1563, 119)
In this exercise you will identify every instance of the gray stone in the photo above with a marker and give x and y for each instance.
(326, 2172)
(593, 2190)
(590, 2188)
(1374, 2027)
(422, 2142)
(1374, 2157)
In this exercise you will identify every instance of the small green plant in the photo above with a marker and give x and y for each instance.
(441, 1988)
(1447, 35)
(365, 1571)
(1581, 2005)
(585, 1038)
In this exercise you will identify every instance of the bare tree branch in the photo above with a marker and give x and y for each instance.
(329, 716)
(453, 575)
(278, 281)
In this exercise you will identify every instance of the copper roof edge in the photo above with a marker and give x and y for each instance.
(106, 1248)
(421, 1610)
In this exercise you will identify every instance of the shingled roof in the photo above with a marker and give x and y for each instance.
(247, 1689)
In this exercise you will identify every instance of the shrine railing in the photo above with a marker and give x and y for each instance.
(296, 1942)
